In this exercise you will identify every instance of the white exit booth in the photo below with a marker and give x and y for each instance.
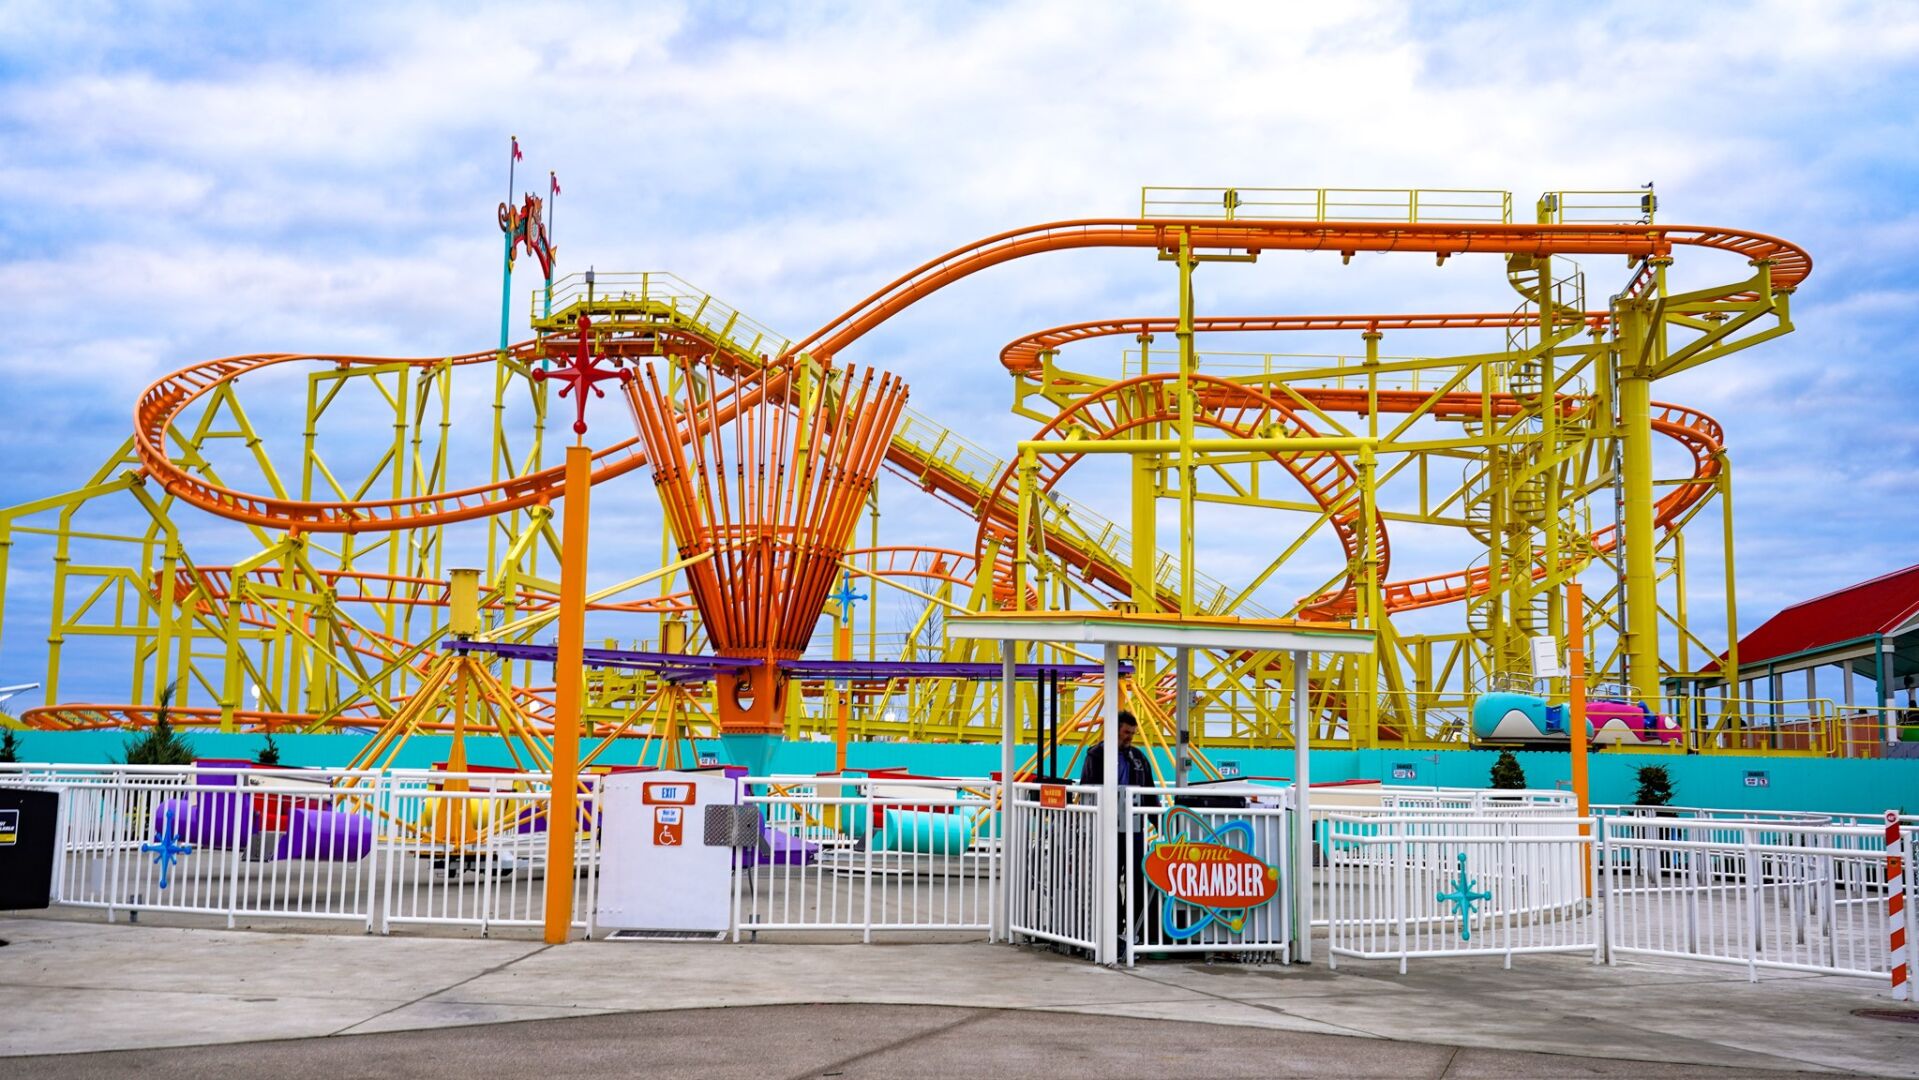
(1114, 631)
(661, 868)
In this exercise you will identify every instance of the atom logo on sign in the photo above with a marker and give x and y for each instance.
(1212, 869)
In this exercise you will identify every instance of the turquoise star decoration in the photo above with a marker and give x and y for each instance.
(166, 852)
(844, 597)
(1463, 896)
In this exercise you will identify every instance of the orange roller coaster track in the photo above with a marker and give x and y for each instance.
(1789, 263)
(1699, 433)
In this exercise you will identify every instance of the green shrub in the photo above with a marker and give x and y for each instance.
(9, 747)
(269, 754)
(1655, 786)
(1506, 771)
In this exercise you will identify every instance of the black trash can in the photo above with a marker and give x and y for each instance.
(28, 821)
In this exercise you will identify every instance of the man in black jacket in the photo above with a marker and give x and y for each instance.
(1134, 771)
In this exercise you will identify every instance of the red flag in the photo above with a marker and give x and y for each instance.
(556, 182)
(516, 149)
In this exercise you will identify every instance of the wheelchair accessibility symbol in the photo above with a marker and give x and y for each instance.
(669, 825)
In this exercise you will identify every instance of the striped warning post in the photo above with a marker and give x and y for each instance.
(1896, 907)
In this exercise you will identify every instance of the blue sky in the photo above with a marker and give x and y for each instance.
(181, 182)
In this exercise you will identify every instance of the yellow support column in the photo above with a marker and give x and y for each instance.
(1576, 708)
(568, 664)
(1369, 612)
(1188, 361)
(1145, 531)
(1642, 610)
(1022, 550)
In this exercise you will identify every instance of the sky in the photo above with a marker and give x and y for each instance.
(186, 181)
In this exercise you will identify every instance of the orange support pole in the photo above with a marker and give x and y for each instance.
(842, 650)
(1576, 707)
(568, 664)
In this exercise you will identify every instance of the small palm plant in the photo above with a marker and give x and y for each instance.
(1655, 786)
(160, 744)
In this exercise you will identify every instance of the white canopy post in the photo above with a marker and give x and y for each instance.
(1008, 737)
(1302, 807)
(1109, 809)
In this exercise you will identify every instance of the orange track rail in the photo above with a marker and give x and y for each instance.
(1790, 263)
(1700, 434)
(1021, 356)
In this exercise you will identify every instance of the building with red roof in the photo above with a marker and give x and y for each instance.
(1869, 630)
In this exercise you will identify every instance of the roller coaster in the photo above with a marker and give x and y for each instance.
(249, 596)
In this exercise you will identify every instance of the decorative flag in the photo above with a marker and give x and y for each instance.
(556, 182)
(516, 149)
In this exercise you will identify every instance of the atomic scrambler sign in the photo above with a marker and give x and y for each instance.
(1212, 869)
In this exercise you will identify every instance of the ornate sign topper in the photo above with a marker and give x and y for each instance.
(525, 227)
(1214, 870)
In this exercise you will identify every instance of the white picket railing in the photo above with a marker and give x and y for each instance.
(1398, 803)
(1776, 893)
(1784, 890)
(869, 854)
(375, 848)
(1430, 885)
(1053, 864)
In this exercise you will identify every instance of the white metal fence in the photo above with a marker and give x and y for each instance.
(378, 849)
(1053, 864)
(1399, 803)
(1431, 874)
(869, 854)
(1778, 893)
(1427, 885)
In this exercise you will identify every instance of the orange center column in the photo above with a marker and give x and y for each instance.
(568, 684)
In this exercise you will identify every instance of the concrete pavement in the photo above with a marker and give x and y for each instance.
(71, 986)
(849, 1041)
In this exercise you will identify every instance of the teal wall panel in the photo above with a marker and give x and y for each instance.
(1851, 786)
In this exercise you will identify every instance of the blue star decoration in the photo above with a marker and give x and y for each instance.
(166, 851)
(1463, 896)
(844, 596)
(1183, 829)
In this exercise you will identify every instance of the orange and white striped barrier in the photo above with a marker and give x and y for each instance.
(1896, 908)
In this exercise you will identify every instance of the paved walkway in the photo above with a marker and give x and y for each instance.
(70, 986)
(801, 1041)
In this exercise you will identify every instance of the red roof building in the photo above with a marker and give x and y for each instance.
(1869, 629)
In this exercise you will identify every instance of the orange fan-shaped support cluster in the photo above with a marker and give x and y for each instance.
(773, 493)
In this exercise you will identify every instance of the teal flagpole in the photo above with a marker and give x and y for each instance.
(552, 209)
(506, 265)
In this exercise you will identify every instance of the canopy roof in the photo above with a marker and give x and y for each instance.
(1884, 605)
(1162, 631)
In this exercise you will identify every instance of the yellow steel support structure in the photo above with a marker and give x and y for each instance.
(1539, 449)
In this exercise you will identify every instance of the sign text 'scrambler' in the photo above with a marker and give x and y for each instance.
(1211, 875)
(1212, 869)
